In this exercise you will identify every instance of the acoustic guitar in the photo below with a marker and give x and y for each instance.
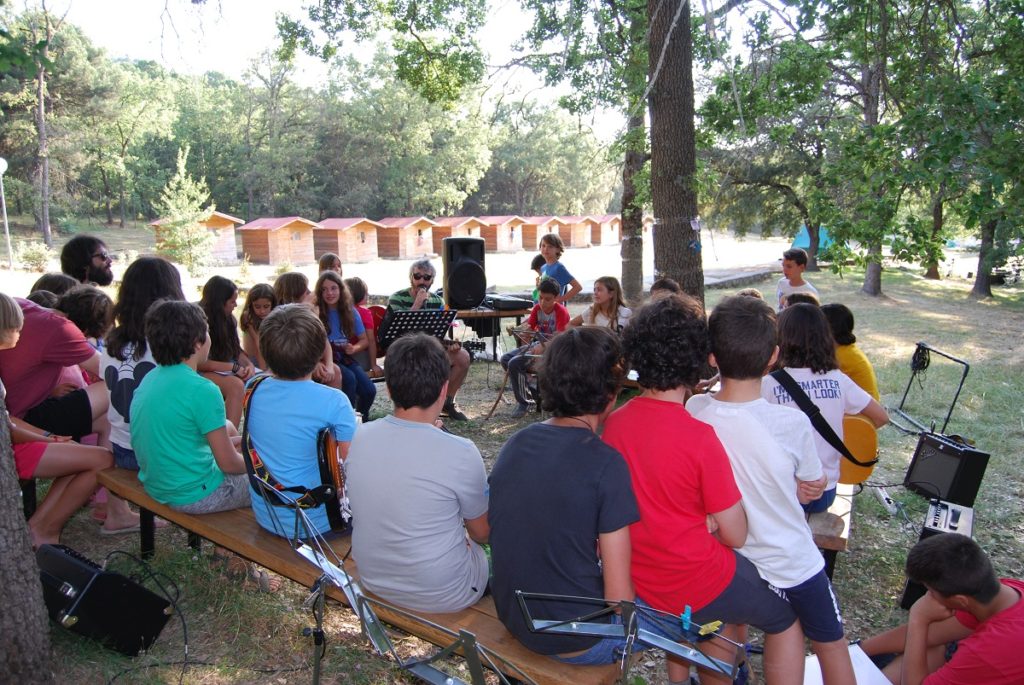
(861, 438)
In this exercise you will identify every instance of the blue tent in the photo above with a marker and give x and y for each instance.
(803, 238)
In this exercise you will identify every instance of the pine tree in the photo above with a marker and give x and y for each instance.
(182, 237)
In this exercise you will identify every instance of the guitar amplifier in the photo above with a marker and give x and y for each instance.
(504, 303)
(99, 604)
(942, 517)
(946, 468)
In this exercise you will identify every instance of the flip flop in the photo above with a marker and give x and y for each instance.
(157, 523)
(264, 582)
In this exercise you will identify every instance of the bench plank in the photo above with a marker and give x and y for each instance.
(238, 531)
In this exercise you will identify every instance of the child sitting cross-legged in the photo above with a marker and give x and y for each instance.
(178, 430)
(287, 411)
(771, 450)
(547, 318)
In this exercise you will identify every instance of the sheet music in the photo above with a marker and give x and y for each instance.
(863, 668)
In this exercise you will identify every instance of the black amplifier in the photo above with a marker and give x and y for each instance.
(102, 605)
(942, 517)
(946, 468)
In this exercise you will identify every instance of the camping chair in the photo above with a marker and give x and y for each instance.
(523, 335)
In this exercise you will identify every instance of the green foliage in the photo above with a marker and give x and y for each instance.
(33, 255)
(283, 268)
(183, 207)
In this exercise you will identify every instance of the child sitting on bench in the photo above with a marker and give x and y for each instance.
(178, 429)
(547, 318)
(286, 413)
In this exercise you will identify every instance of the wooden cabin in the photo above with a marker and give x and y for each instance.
(279, 240)
(405, 237)
(579, 231)
(502, 233)
(608, 230)
(455, 227)
(353, 240)
(222, 227)
(536, 227)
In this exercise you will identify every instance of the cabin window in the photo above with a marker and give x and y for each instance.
(362, 236)
(296, 235)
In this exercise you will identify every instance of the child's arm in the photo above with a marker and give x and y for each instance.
(614, 549)
(732, 525)
(361, 344)
(809, 490)
(575, 321)
(574, 289)
(251, 346)
(227, 457)
(22, 432)
(875, 413)
(246, 368)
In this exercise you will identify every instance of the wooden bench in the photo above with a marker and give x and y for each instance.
(238, 531)
(831, 529)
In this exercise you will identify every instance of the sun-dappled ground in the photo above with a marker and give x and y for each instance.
(238, 636)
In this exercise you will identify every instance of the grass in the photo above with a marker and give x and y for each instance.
(241, 637)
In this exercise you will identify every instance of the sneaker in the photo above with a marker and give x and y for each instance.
(520, 411)
(452, 411)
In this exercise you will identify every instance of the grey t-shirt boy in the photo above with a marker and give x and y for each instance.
(411, 486)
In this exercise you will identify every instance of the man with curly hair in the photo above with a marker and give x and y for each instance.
(691, 514)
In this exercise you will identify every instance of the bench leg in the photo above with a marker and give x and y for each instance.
(147, 528)
(195, 542)
(830, 561)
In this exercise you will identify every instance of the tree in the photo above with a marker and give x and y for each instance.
(181, 235)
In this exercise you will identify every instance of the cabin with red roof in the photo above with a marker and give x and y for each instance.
(536, 227)
(502, 233)
(608, 230)
(279, 240)
(579, 231)
(405, 237)
(352, 239)
(455, 227)
(221, 226)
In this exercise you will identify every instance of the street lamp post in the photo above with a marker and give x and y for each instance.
(3, 206)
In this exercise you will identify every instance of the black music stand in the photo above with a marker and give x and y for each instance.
(435, 322)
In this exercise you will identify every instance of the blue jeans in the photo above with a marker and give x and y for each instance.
(358, 387)
(518, 363)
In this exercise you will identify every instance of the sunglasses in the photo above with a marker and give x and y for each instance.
(423, 277)
(104, 255)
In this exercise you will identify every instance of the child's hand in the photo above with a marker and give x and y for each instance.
(60, 438)
(809, 490)
(712, 524)
(63, 389)
(350, 349)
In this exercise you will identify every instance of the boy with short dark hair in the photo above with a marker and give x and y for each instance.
(771, 449)
(178, 428)
(968, 627)
(546, 319)
(794, 262)
(287, 411)
(416, 491)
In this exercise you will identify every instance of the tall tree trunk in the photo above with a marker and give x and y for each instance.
(632, 250)
(983, 279)
(677, 251)
(43, 155)
(106, 197)
(932, 264)
(873, 273)
(24, 626)
(813, 243)
(121, 202)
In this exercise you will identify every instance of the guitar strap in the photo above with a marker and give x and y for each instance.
(814, 414)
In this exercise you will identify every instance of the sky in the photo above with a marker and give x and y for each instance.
(226, 35)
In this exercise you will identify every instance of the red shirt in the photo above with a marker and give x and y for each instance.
(992, 653)
(48, 343)
(561, 318)
(680, 474)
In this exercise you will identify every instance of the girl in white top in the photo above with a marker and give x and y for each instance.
(807, 352)
(608, 310)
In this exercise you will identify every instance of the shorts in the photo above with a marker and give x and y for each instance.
(822, 503)
(124, 458)
(747, 599)
(27, 456)
(232, 493)
(816, 606)
(67, 415)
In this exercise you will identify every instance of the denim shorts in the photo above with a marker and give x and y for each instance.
(124, 458)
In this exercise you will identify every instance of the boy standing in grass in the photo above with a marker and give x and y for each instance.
(178, 428)
(551, 248)
(794, 262)
(771, 450)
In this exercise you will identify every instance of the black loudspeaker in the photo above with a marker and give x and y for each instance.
(947, 469)
(942, 517)
(465, 281)
(102, 605)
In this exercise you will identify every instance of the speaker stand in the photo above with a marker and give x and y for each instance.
(316, 601)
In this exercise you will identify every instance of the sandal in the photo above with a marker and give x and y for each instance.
(265, 582)
(229, 564)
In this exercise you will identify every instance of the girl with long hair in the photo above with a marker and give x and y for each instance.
(227, 365)
(609, 310)
(260, 301)
(347, 337)
(807, 353)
